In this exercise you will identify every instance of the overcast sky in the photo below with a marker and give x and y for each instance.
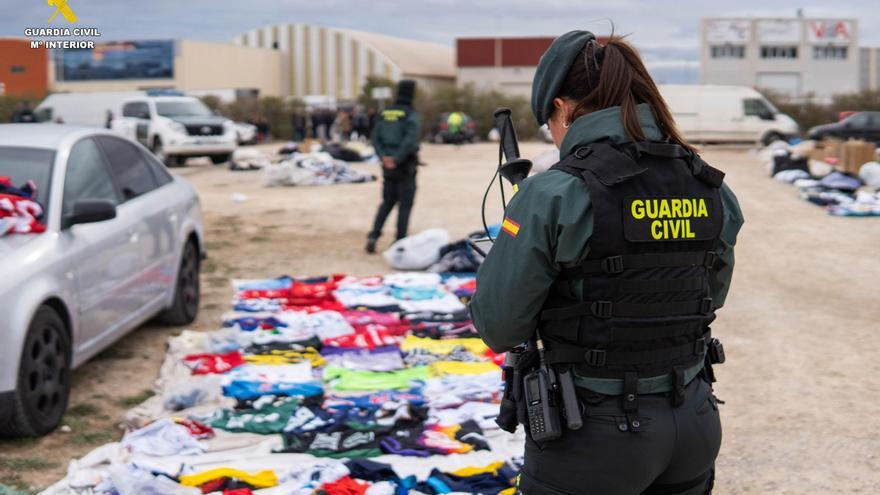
(665, 31)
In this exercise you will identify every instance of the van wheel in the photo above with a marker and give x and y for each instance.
(185, 306)
(40, 398)
(771, 137)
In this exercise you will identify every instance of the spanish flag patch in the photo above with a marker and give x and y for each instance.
(510, 227)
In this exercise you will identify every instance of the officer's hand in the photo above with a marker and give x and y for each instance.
(388, 163)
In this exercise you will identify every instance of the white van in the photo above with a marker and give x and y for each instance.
(710, 113)
(176, 128)
(91, 109)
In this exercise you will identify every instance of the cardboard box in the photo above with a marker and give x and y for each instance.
(824, 149)
(855, 153)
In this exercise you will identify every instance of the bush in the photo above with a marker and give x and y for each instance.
(8, 105)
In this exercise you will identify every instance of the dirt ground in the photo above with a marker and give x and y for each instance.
(801, 326)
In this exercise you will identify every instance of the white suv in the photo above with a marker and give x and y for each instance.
(176, 128)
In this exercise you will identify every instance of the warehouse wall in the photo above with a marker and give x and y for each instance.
(202, 65)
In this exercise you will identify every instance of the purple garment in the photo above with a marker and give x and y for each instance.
(385, 358)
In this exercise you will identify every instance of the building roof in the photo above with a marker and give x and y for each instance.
(417, 58)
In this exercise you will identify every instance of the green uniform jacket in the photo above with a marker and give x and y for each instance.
(397, 133)
(555, 218)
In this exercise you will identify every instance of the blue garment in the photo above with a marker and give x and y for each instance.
(246, 390)
(268, 284)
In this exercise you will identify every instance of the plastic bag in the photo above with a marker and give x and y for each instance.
(417, 252)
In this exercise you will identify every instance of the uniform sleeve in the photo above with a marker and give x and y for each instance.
(409, 143)
(720, 278)
(515, 278)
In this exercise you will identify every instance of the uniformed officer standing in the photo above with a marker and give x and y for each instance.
(620, 255)
(396, 141)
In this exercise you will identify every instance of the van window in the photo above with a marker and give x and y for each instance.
(756, 107)
(135, 109)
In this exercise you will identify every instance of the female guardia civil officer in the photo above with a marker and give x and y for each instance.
(620, 255)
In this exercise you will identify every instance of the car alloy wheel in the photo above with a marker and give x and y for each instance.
(188, 283)
(45, 373)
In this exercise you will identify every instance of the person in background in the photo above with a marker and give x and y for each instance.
(371, 122)
(108, 119)
(298, 122)
(396, 141)
(612, 265)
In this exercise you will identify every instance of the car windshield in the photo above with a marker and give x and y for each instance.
(24, 164)
(182, 108)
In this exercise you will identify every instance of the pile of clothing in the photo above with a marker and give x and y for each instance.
(337, 384)
(20, 213)
(312, 169)
(842, 194)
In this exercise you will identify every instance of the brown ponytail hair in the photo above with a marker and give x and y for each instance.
(612, 74)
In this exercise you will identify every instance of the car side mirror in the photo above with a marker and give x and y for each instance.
(91, 211)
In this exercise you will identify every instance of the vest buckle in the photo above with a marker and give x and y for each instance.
(601, 309)
(612, 264)
(700, 347)
(595, 358)
(582, 152)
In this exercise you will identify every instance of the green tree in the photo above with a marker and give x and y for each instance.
(366, 96)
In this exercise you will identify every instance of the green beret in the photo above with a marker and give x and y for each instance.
(552, 70)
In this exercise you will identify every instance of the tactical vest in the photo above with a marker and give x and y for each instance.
(646, 309)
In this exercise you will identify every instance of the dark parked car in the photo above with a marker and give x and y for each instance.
(454, 127)
(861, 125)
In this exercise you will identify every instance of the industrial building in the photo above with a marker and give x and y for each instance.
(797, 57)
(23, 70)
(184, 65)
(322, 60)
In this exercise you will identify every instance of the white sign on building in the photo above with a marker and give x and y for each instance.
(778, 31)
(829, 32)
(728, 31)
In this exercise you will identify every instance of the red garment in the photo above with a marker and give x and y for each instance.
(206, 364)
(214, 485)
(238, 491)
(19, 215)
(345, 486)
(298, 291)
(497, 358)
(198, 430)
(328, 305)
(370, 336)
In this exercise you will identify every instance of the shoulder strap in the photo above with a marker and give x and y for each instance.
(605, 162)
(701, 170)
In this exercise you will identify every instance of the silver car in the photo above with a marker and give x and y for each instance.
(123, 245)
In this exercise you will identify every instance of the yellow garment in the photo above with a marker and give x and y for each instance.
(441, 368)
(472, 471)
(262, 479)
(445, 346)
(509, 491)
(278, 357)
